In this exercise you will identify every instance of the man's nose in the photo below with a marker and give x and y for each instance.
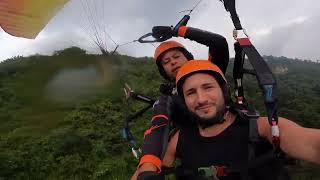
(173, 61)
(201, 97)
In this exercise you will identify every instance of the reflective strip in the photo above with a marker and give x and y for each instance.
(240, 99)
(275, 130)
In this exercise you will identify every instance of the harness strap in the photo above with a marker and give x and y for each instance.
(264, 75)
(238, 73)
(253, 136)
(267, 83)
(230, 6)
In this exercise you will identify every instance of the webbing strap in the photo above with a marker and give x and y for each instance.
(238, 73)
(267, 83)
(230, 6)
(264, 74)
(253, 138)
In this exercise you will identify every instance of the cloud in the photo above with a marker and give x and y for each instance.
(293, 39)
(287, 28)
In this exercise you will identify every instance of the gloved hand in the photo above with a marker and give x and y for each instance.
(163, 32)
(150, 175)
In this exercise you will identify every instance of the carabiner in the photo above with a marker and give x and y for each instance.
(141, 39)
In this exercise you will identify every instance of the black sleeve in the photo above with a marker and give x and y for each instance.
(155, 143)
(156, 138)
(218, 46)
(165, 116)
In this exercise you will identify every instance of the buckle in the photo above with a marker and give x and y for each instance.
(240, 34)
(136, 152)
(251, 114)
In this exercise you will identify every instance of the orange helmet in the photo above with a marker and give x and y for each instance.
(164, 47)
(203, 66)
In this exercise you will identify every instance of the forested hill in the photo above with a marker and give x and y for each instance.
(61, 115)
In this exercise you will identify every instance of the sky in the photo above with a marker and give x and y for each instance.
(280, 28)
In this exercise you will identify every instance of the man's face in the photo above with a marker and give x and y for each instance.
(171, 62)
(203, 96)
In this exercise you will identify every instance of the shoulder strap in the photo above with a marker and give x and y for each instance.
(249, 117)
(253, 133)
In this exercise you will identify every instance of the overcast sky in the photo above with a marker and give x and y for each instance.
(280, 28)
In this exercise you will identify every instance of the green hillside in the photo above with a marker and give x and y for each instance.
(61, 115)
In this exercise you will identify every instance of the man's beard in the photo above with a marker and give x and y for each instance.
(208, 122)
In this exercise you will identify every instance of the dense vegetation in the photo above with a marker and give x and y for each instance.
(61, 115)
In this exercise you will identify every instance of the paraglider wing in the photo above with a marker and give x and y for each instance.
(26, 18)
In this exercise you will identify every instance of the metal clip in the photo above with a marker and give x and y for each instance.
(136, 152)
(241, 33)
(127, 91)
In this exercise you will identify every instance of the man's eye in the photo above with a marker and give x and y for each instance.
(209, 87)
(165, 62)
(176, 57)
(189, 93)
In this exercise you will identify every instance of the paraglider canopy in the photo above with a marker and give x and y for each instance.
(26, 18)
